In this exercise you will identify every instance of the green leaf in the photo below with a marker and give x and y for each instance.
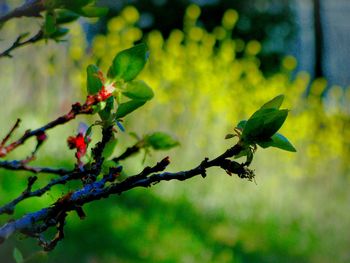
(161, 141)
(88, 132)
(65, 16)
(263, 124)
(108, 150)
(278, 141)
(138, 90)
(106, 112)
(128, 63)
(93, 11)
(275, 103)
(128, 107)
(94, 84)
(49, 25)
(241, 124)
(17, 255)
(76, 4)
(60, 32)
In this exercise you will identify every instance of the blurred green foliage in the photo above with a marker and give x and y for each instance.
(296, 211)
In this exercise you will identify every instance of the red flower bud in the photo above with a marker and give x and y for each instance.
(41, 136)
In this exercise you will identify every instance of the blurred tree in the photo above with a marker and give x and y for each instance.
(271, 23)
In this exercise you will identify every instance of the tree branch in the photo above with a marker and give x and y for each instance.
(19, 43)
(31, 8)
(34, 224)
(76, 109)
(16, 165)
(9, 208)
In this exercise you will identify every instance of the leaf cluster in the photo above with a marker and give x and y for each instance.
(60, 12)
(262, 127)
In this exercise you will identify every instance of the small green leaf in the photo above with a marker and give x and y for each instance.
(17, 254)
(60, 32)
(65, 16)
(161, 141)
(128, 107)
(49, 25)
(263, 124)
(106, 112)
(128, 63)
(138, 90)
(94, 83)
(93, 11)
(108, 150)
(230, 136)
(89, 131)
(278, 141)
(275, 103)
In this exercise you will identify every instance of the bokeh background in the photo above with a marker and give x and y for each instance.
(212, 63)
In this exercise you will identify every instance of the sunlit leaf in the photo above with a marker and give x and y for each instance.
(128, 63)
(94, 83)
(263, 124)
(161, 141)
(278, 141)
(139, 90)
(275, 103)
(17, 255)
(128, 107)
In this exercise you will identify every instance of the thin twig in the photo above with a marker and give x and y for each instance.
(19, 43)
(76, 109)
(16, 165)
(8, 135)
(9, 208)
(128, 152)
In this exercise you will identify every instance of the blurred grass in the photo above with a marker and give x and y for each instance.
(296, 211)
